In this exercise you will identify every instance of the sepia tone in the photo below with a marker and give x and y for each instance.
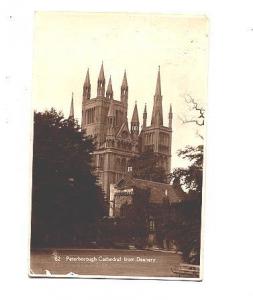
(148, 224)
(107, 120)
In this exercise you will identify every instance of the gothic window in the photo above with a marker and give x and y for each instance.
(90, 115)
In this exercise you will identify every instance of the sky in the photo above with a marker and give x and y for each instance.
(67, 44)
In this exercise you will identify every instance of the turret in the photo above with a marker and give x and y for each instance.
(144, 124)
(109, 91)
(86, 87)
(124, 89)
(101, 83)
(135, 121)
(157, 114)
(170, 117)
(71, 113)
(86, 96)
(124, 95)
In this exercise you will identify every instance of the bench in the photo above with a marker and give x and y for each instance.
(186, 270)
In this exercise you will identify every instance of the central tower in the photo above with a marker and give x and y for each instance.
(106, 120)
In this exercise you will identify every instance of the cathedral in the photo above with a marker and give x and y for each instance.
(106, 120)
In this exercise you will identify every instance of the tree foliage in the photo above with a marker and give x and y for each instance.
(191, 177)
(146, 167)
(187, 231)
(65, 197)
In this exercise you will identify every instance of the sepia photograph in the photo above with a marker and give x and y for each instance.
(118, 162)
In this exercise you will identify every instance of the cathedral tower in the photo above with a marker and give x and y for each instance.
(105, 119)
(157, 137)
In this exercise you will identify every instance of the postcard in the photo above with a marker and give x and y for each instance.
(119, 105)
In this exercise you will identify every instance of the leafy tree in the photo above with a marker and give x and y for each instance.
(66, 200)
(146, 167)
(190, 178)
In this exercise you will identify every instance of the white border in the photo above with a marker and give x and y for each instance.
(228, 209)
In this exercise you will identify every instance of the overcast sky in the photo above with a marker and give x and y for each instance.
(66, 44)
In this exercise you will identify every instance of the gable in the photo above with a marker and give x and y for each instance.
(158, 191)
(124, 132)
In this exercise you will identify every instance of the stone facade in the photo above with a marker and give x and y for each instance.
(106, 119)
(156, 204)
(122, 193)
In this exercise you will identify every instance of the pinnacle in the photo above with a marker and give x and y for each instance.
(124, 81)
(71, 113)
(87, 79)
(158, 84)
(101, 76)
(135, 117)
(170, 109)
(109, 87)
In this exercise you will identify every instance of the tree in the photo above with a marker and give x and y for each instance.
(146, 166)
(66, 200)
(196, 115)
(188, 229)
(191, 177)
(199, 117)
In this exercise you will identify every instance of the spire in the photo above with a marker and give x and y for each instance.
(135, 122)
(158, 84)
(86, 86)
(135, 117)
(71, 113)
(87, 79)
(157, 113)
(170, 110)
(124, 89)
(124, 81)
(101, 82)
(124, 96)
(144, 124)
(170, 117)
(101, 73)
(109, 91)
